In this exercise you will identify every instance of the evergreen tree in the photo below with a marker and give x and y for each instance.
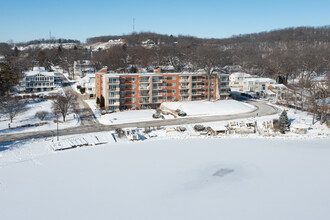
(283, 121)
(102, 102)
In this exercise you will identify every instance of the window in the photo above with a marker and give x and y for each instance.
(122, 100)
(112, 94)
(122, 93)
(112, 101)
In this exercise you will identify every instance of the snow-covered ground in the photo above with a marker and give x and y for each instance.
(193, 109)
(195, 178)
(28, 117)
(221, 107)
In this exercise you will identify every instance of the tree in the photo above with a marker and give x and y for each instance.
(11, 106)
(9, 77)
(41, 115)
(62, 104)
(102, 102)
(283, 122)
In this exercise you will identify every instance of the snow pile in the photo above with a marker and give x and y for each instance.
(126, 117)
(222, 107)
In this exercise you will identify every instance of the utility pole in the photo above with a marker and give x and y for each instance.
(57, 126)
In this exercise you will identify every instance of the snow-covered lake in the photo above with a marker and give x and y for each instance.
(198, 178)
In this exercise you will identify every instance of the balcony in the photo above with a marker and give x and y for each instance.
(196, 80)
(116, 89)
(184, 94)
(144, 95)
(196, 87)
(183, 80)
(114, 97)
(157, 88)
(144, 87)
(114, 104)
(114, 82)
(144, 102)
(157, 94)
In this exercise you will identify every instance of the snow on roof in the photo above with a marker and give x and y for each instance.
(259, 80)
(240, 74)
(38, 70)
(216, 126)
(155, 74)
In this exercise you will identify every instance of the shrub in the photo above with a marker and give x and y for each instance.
(41, 115)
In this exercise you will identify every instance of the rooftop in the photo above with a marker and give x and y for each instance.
(259, 79)
(240, 74)
(38, 70)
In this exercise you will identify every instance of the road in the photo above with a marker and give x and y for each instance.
(90, 125)
(81, 108)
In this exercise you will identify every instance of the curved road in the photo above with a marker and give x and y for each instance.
(262, 110)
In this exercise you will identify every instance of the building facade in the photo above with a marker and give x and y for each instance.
(236, 80)
(88, 83)
(37, 80)
(257, 84)
(148, 90)
(82, 68)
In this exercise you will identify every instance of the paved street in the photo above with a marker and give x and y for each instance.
(80, 107)
(90, 125)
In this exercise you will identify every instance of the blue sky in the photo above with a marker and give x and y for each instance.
(23, 20)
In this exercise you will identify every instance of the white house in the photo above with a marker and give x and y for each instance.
(236, 80)
(257, 84)
(82, 67)
(88, 82)
(37, 80)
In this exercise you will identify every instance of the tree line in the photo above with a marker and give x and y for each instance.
(279, 54)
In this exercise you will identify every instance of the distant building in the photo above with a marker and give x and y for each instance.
(82, 67)
(88, 82)
(37, 80)
(236, 80)
(148, 90)
(257, 84)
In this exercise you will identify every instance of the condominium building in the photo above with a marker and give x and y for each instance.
(148, 90)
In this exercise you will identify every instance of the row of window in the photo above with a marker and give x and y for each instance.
(39, 78)
(39, 84)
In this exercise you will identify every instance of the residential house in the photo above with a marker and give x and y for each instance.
(256, 85)
(82, 67)
(37, 80)
(88, 83)
(236, 80)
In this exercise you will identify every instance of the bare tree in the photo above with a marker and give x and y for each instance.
(62, 104)
(12, 106)
(41, 115)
